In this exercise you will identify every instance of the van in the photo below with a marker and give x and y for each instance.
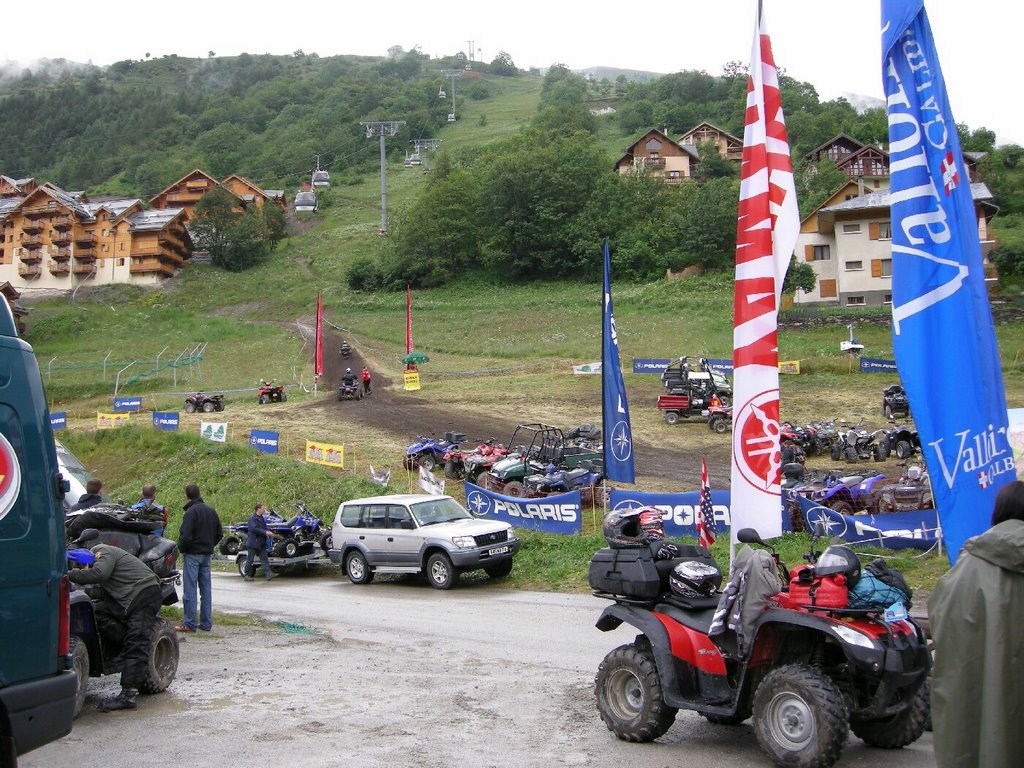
(37, 688)
(75, 474)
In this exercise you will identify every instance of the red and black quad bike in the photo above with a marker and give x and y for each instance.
(350, 390)
(201, 401)
(455, 457)
(810, 669)
(720, 418)
(269, 392)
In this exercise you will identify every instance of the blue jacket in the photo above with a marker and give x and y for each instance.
(257, 536)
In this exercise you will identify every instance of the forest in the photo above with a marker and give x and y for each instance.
(535, 204)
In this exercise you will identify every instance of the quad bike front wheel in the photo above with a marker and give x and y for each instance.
(629, 695)
(800, 717)
(899, 730)
(720, 425)
(836, 452)
(427, 461)
(515, 489)
(190, 407)
(229, 546)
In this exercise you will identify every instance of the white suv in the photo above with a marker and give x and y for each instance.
(412, 533)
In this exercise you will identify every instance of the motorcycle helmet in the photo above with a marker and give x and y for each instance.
(838, 558)
(693, 579)
(348, 370)
(651, 526)
(622, 528)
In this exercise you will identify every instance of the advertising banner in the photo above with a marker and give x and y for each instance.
(111, 420)
(429, 482)
(618, 434)
(123, 404)
(893, 530)
(720, 365)
(877, 365)
(1016, 438)
(166, 420)
(325, 453)
(551, 514)
(411, 380)
(650, 365)
(265, 442)
(59, 420)
(586, 368)
(680, 511)
(217, 431)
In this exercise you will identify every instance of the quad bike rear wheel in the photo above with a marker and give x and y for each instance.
(514, 488)
(836, 452)
(800, 717)
(229, 546)
(162, 664)
(720, 425)
(850, 454)
(882, 450)
(842, 507)
(629, 694)
(454, 470)
(904, 449)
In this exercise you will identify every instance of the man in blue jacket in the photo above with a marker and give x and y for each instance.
(200, 532)
(256, 543)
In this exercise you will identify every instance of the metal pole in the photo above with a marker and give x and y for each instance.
(117, 380)
(383, 188)
(159, 356)
(48, 367)
(105, 364)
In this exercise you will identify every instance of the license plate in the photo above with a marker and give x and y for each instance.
(497, 551)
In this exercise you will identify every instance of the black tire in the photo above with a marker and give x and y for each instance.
(842, 507)
(190, 407)
(264, 399)
(850, 455)
(240, 564)
(725, 719)
(326, 541)
(358, 569)
(882, 450)
(454, 470)
(208, 407)
(283, 397)
(499, 570)
(836, 452)
(163, 659)
(515, 489)
(800, 717)
(229, 546)
(290, 548)
(887, 411)
(427, 461)
(899, 730)
(629, 695)
(440, 572)
(671, 417)
(904, 450)
(359, 394)
(80, 666)
(720, 425)
(219, 406)
(811, 449)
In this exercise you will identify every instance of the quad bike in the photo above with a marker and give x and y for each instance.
(97, 639)
(201, 401)
(269, 392)
(345, 350)
(858, 444)
(429, 451)
(901, 440)
(895, 402)
(720, 418)
(808, 673)
(911, 493)
(586, 478)
(478, 465)
(350, 391)
(455, 458)
(848, 495)
(287, 538)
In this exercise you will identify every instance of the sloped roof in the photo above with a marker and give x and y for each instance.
(189, 175)
(833, 140)
(156, 219)
(880, 199)
(687, 148)
(705, 123)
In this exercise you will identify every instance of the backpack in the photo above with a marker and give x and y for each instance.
(888, 575)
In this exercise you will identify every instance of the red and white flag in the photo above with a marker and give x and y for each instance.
(766, 233)
(706, 529)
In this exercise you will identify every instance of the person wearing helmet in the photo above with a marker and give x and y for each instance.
(349, 379)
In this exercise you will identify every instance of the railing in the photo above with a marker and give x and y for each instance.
(61, 222)
(58, 236)
(85, 237)
(654, 162)
(151, 265)
(58, 268)
(30, 256)
(84, 269)
(32, 226)
(85, 254)
(61, 254)
(34, 241)
(29, 270)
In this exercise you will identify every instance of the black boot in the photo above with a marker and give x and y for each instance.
(124, 700)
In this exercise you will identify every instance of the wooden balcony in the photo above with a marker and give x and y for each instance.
(85, 237)
(185, 197)
(30, 270)
(33, 241)
(84, 269)
(150, 265)
(61, 254)
(61, 222)
(654, 162)
(32, 225)
(58, 268)
(85, 252)
(59, 237)
(37, 212)
(30, 257)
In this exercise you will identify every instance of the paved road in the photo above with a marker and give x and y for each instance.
(397, 674)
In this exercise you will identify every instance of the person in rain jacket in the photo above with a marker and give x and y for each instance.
(977, 622)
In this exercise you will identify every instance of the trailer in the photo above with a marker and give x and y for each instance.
(676, 407)
(310, 560)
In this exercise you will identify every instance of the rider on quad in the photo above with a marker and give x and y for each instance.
(348, 379)
(346, 350)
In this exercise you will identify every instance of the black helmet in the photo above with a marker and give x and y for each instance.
(622, 528)
(693, 579)
(651, 526)
(839, 559)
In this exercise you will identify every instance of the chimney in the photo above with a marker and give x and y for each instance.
(860, 186)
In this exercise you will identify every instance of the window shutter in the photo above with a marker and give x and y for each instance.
(827, 289)
(876, 267)
(873, 230)
(808, 252)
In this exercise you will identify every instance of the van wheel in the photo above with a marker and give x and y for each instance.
(800, 717)
(80, 666)
(163, 659)
(629, 695)
(440, 572)
(357, 569)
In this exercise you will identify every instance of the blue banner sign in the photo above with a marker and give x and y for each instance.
(893, 530)
(551, 514)
(618, 434)
(876, 365)
(678, 510)
(123, 404)
(650, 365)
(721, 366)
(59, 420)
(265, 442)
(165, 420)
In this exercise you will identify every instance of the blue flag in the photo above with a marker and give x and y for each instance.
(618, 437)
(941, 318)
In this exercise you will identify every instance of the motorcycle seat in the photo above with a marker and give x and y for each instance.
(698, 617)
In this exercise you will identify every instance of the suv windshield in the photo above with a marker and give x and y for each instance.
(439, 511)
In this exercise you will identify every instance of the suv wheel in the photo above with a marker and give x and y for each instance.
(357, 569)
(440, 572)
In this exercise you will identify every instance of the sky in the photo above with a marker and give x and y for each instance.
(832, 44)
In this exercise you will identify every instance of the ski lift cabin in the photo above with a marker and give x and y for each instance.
(321, 178)
(451, 117)
(305, 201)
(413, 159)
(440, 93)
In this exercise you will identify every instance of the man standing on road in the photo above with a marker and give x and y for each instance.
(200, 532)
(256, 544)
(132, 596)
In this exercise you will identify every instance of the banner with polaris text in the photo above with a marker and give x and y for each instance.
(658, 365)
(939, 299)
(618, 434)
(126, 404)
(893, 530)
(877, 365)
(264, 441)
(166, 420)
(551, 514)
(59, 420)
